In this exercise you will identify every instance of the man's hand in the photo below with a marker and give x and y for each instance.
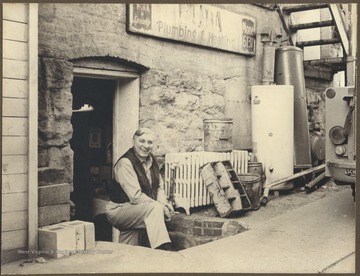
(168, 211)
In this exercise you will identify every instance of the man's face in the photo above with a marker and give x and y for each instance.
(143, 144)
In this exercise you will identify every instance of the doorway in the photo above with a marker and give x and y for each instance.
(92, 121)
(106, 107)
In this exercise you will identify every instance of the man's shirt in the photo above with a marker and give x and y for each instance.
(126, 175)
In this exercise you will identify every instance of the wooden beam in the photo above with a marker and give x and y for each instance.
(286, 25)
(14, 221)
(327, 61)
(13, 107)
(14, 183)
(15, 31)
(340, 27)
(13, 88)
(302, 44)
(15, 12)
(303, 7)
(349, 72)
(8, 201)
(14, 145)
(13, 240)
(15, 126)
(320, 24)
(32, 232)
(319, 72)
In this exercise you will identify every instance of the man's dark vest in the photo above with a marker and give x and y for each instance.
(118, 195)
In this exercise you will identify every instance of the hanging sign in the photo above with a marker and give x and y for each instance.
(199, 24)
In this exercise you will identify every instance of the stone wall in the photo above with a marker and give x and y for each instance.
(315, 89)
(55, 160)
(181, 100)
(185, 83)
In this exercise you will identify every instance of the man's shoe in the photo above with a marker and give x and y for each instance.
(166, 246)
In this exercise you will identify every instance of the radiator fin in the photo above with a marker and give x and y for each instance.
(184, 167)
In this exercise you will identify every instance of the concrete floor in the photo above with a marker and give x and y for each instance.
(318, 237)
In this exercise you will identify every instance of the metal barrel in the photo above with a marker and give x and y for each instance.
(218, 135)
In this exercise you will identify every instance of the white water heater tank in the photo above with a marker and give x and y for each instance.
(272, 126)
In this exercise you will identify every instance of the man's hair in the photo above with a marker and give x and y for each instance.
(142, 131)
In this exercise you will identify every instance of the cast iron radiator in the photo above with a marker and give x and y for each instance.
(183, 183)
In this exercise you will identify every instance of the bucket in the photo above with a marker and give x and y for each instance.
(218, 135)
(255, 168)
(253, 187)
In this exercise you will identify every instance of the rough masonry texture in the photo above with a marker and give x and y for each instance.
(184, 84)
(181, 100)
(55, 131)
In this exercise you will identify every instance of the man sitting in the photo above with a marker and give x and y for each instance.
(137, 197)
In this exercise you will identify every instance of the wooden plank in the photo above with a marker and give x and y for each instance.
(13, 239)
(309, 43)
(16, 50)
(15, 126)
(339, 23)
(32, 230)
(13, 107)
(14, 221)
(14, 164)
(14, 183)
(285, 25)
(14, 202)
(303, 26)
(15, 69)
(15, 12)
(15, 88)
(14, 145)
(15, 31)
(303, 7)
(12, 255)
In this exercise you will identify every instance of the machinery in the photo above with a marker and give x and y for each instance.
(340, 145)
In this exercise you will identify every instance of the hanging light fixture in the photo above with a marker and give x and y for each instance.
(85, 108)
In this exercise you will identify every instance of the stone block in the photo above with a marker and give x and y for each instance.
(48, 176)
(231, 228)
(89, 235)
(85, 233)
(54, 194)
(79, 230)
(57, 241)
(53, 214)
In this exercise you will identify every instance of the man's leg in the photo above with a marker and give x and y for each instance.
(144, 215)
(129, 236)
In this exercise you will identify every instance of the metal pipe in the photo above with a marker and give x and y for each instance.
(264, 198)
(316, 180)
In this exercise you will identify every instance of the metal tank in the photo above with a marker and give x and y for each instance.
(272, 128)
(289, 70)
(237, 107)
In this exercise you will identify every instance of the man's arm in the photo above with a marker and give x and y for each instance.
(126, 175)
(161, 197)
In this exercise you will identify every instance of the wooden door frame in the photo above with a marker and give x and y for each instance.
(126, 104)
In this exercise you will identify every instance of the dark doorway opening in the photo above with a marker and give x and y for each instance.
(92, 121)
